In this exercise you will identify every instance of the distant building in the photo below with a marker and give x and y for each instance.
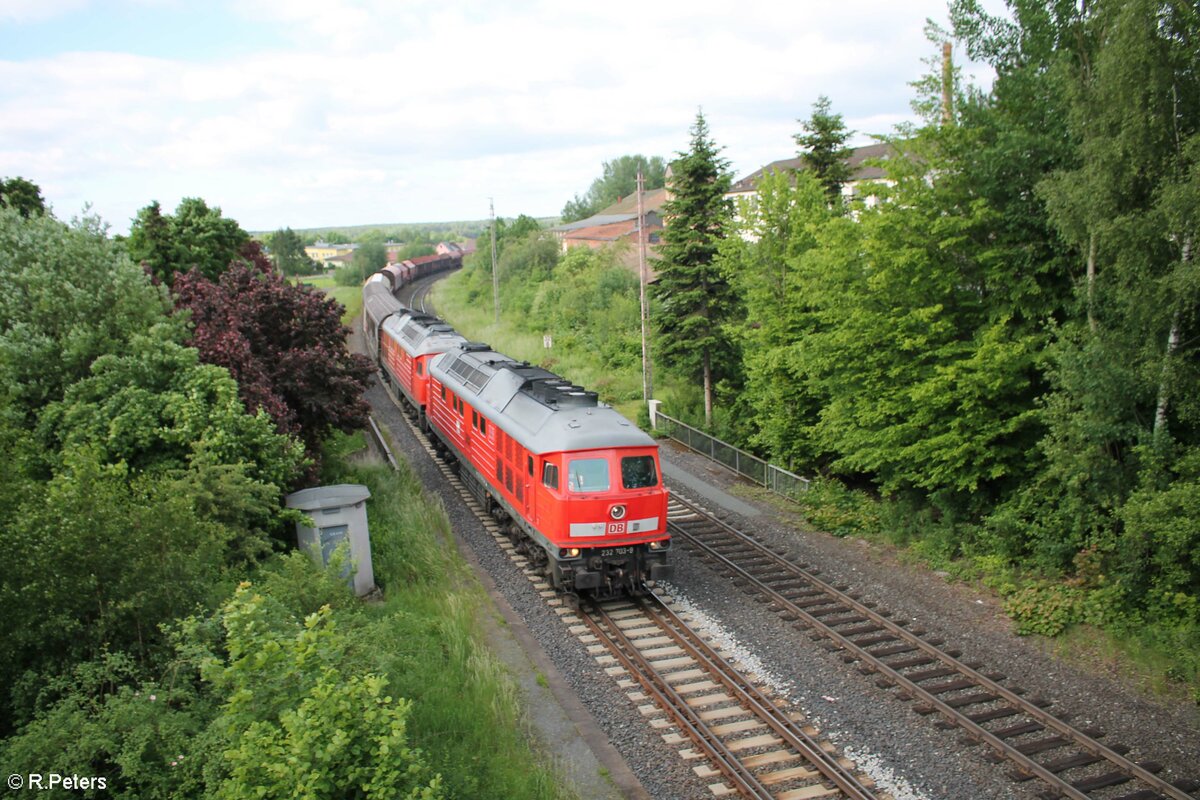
(616, 223)
(323, 252)
(860, 172)
(333, 262)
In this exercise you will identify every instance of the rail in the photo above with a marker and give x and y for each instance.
(776, 479)
(375, 439)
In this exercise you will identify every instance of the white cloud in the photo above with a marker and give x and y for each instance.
(379, 111)
(24, 11)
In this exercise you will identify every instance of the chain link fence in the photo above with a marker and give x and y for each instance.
(777, 479)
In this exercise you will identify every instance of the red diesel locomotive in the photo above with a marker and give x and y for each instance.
(578, 486)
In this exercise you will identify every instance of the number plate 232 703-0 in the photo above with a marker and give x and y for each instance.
(616, 551)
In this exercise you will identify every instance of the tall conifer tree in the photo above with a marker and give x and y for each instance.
(823, 148)
(695, 298)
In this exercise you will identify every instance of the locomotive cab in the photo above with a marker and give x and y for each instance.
(612, 534)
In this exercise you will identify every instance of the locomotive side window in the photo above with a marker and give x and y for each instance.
(550, 475)
(483, 425)
(420, 368)
(637, 472)
(588, 475)
(530, 461)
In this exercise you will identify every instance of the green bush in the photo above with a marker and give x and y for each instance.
(1045, 609)
(831, 507)
(147, 739)
(300, 716)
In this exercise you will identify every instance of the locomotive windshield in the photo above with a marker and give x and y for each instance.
(588, 475)
(637, 472)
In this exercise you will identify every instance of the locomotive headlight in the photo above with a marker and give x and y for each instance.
(570, 552)
(617, 512)
(659, 545)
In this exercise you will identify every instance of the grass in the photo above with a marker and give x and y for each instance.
(348, 296)
(425, 638)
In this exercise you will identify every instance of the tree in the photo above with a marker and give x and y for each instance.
(103, 559)
(790, 216)
(70, 296)
(195, 237)
(287, 251)
(415, 250)
(823, 148)
(156, 408)
(1130, 206)
(923, 372)
(285, 345)
(618, 179)
(695, 299)
(519, 229)
(25, 196)
(369, 257)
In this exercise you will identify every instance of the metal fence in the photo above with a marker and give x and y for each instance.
(777, 479)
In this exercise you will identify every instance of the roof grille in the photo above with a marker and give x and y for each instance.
(472, 376)
(411, 333)
(562, 394)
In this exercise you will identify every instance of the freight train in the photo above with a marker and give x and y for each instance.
(577, 487)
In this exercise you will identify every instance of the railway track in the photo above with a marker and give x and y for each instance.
(753, 745)
(416, 294)
(1035, 742)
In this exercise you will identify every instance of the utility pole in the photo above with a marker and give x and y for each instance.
(495, 276)
(647, 384)
(947, 85)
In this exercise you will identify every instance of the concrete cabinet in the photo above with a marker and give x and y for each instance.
(339, 514)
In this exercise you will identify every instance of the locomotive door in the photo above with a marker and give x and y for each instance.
(524, 479)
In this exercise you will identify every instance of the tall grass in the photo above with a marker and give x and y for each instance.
(426, 638)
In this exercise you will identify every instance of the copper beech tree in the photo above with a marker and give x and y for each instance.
(284, 343)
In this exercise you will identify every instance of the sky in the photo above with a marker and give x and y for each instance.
(324, 113)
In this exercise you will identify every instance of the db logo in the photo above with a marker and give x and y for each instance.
(616, 527)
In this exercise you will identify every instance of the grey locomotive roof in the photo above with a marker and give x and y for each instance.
(539, 409)
(423, 334)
